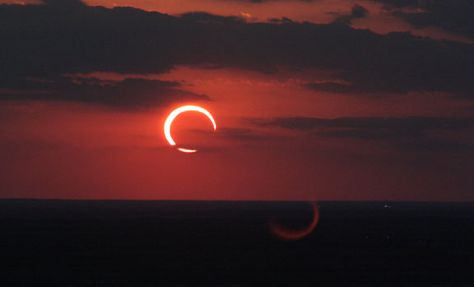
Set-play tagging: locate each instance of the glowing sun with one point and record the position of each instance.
(175, 113)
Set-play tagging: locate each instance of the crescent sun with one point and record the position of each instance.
(175, 113)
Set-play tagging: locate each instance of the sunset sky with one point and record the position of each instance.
(314, 100)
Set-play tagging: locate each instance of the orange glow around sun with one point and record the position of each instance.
(175, 113)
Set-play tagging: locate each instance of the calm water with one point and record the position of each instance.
(171, 243)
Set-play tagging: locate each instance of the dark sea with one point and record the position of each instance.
(222, 243)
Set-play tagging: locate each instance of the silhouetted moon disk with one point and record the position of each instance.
(175, 113)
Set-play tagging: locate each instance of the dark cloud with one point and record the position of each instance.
(453, 15)
(128, 93)
(429, 133)
(406, 124)
(344, 88)
(64, 3)
(357, 12)
(401, 63)
(241, 134)
(47, 41)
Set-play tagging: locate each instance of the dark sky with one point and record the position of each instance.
(325, 100)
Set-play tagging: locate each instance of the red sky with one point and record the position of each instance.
(276, 140)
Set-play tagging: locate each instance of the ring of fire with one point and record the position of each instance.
(175, 113)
